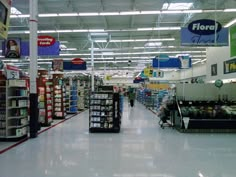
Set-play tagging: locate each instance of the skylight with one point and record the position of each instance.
(15, 11)
(176, 6)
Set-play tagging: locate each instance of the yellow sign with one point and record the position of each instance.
(108, 77)
(148, 72)
(5, 10)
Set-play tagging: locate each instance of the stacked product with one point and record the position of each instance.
(14, 109)
(59, 97)
(45, 104)
(105, 114)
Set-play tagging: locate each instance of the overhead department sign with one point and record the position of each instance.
(204, 32)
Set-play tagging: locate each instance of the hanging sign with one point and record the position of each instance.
(12, 72)
(148, 72)
(45, 41)
(75, 64)
(204, 32)
(57, 65)
(78, 61)
(184, 62)
(5, 10)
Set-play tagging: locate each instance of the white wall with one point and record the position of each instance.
(217, 55)
(195, 71)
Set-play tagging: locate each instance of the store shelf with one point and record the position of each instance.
(17, 97)
(20, 126)
(18, 107)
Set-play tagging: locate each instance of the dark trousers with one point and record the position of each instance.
(131, 103)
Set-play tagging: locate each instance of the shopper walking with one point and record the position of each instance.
(131, 97)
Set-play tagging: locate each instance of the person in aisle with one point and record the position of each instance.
(131, 96)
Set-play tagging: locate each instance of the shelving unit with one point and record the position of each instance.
(81, 98)
(13, 109)
(45, 104)
(104, 112)
(59, 97)
(73, 99)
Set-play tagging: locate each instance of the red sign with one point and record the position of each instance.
(78, 61)
(10, 67)
(45, 41)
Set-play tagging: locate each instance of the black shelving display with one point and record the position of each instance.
(104, 112)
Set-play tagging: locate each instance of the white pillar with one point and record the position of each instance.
(33, 44)
(33, 22)
(92, 65)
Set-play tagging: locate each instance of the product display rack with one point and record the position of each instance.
(72, 108)
(59, 97)
(81, 98)
(14, 109)
(104, 112)
(45, 103)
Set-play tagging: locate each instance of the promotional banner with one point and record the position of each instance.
(57, 65)
(44, 50)
(12, 48)
(230, 66)
(233, 41)
(202, 33)
(5, 10)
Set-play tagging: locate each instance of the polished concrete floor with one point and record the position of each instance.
(141, 149)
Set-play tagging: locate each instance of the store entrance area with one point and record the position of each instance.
(141, 149)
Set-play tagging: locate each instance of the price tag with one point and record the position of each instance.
(12, 72)
(190, 102)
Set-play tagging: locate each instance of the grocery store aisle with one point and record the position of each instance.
(141, 149)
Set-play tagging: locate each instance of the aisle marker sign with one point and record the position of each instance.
(204, 32)
(12, 72)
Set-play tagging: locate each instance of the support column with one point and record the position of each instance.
(92, 64)
(34, 112)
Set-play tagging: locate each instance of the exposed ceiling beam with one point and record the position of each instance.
(105, 19)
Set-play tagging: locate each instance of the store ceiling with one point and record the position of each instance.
(109, 16)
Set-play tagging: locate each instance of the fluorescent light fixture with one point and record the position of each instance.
(47, 31)
(80, 30)
(13, 16)
(150, 12)
(192, 11)
(171, 11)
(153, 44)
(138, 53)
(68, 14)
(107, 53)
(230, 23)
(15, 11)
(130, 13)
(88, 14)
(48, 15)
(176, 6)
(63, 31)
(101, 40)
(212, 11)
(229, 10)
(99, 34)
(159, 28)
(64, 42)
(23, 16)
(69, 49)
(109, 13)
(96, 30)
